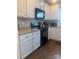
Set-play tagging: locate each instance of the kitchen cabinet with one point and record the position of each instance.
(54, 33)
(30, 8)
(26, 8)
(36, 40)
(26, 44)
(29, 43)
(36, 43)
(21, 8)
(37, 4)
(31, 5)
(18, 49)
(47, 11)
(53, 11)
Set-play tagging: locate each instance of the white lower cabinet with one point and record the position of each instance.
(36, 43)
(26, 44)
(36, 40)
(26, 47)
(54, 33)
(29, 43)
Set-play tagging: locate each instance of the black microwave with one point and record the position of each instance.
(39, 14)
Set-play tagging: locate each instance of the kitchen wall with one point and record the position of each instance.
(58, 16)
(55, 13)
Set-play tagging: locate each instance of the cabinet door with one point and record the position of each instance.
(26, 47)
(37, 3)
(31, 8)
(36, 40)
(36, 43)
(52, 33)
(26, 36)
(35, 34)
(21, 8)
(59, 34)
(40, 4)
(47, 11)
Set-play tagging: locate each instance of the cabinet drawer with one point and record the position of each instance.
(35, 34)
(26, 36)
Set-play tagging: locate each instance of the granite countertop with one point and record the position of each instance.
(23, 31)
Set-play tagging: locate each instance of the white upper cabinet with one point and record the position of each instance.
(37, 4)
(36, 40)
(54, 10)
(47, 11)
(21, 8)
(31, 8)
(26, 8)
(31, 5)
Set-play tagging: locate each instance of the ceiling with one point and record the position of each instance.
(52, 2)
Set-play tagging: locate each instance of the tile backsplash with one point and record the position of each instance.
(23, 22)
(26, 22)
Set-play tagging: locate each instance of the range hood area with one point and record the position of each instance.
(52, 2)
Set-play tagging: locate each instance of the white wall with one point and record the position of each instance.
(58, 16)
(55, 12)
